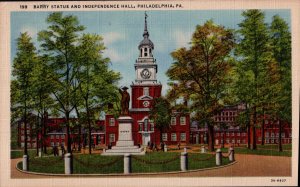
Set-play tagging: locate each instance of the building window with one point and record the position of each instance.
(290, 134)
(283, 135)
(63, 136)
(57, 137)
(232, 134)
(151, 126)
(227, 140)
(238, 141)
(146, 125)
(52, 137)
(22, 138)
(52, 144)
(111, 138)
(272, 134)
(267, 140)
(182, 120)
(146, 91)
(238, 134)
(182, 137)
(173, 137)
(111, 121)
(140, 126)
(272, 140)
(173, 120)
(233, 141)
(227, 133)
(267, 134)
(164, 136)
(277, 134)
(243, 134)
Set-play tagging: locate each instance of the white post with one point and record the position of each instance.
(60, 152)
(184, 149)
(103, 150)
(203, 149)
(40, 152)
(25, 162)
(68, 163)
(127, 164)
(218, 157)
(184, 161)
(166, 148)
(231, 154)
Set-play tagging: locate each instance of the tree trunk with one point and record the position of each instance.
(210, 137)
(279, 137)
(69, 149)
(254, 131)
(263, 129)
(90, 137)
(248, 137)
(44, 146)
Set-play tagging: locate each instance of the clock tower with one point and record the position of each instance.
(145, 88)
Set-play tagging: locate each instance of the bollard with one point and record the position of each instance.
(203, 149)
(184, 161)
(127, 164)
(68, 163)
(184, 149)
(231, 154)
(218, 157)
(25, 162)
(166, 148)
(103, 150)
(40, 153)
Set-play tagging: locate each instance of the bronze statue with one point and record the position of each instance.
(124, 101)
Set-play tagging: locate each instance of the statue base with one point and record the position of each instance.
(125, 144)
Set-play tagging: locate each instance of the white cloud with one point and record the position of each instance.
(113, 55)
(182, 38)
(32, 32)
(112, 37)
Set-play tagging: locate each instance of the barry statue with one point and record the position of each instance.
(124, 101)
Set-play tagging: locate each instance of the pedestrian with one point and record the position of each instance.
(162, 146)
(178, 145)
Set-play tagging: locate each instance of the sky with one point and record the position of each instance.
(122, 32)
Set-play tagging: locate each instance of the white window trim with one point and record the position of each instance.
(173, 120)
(173, 135)
(182, 120)
(181, 139)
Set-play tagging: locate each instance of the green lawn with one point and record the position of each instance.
(31, 153)
(95, 163)
(270, 150)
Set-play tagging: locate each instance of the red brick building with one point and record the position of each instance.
(227, 131)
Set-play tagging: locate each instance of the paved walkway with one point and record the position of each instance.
(247, 165)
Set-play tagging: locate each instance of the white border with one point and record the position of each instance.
(6, 181)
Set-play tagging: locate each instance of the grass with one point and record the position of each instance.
(31, 153)
(269, 150)
(95, 163)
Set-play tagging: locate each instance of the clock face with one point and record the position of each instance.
(146, 103)
(145, 74)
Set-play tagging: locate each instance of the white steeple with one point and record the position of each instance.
(145, 66)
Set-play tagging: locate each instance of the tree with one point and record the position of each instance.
(58, 43)
(281, 42)
(201, 72)
(95, 81)
(255, 55)
(160, 113)
(43, 102)
(21, 85)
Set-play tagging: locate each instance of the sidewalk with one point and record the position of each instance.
(247, 165)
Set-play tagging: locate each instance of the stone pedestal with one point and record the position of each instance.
(125, 144)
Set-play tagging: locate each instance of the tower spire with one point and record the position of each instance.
(146, 34)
